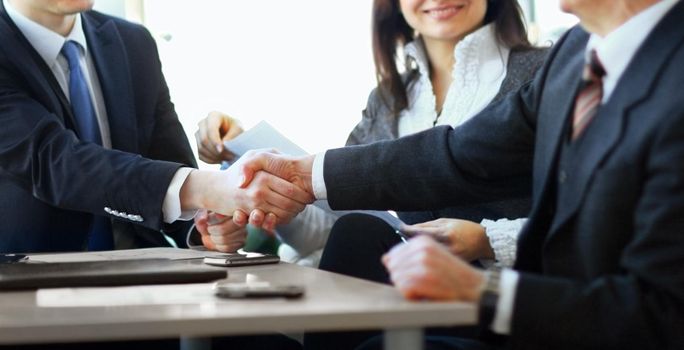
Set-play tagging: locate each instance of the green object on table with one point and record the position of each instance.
(261, 242)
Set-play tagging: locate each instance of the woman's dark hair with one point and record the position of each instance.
(390, 31)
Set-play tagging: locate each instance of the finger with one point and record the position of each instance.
(270, 222)
(207, 156)
(207, 242)
(256, 218)
(214, 219)
(289, 190)
(215, 123)
(240, 218)
(253, 161)
(203, 139)
(230, 128)
(228, 155)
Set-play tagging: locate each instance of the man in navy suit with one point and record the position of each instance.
(92, 155)
(599, 136)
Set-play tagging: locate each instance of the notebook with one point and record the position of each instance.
(105, 273)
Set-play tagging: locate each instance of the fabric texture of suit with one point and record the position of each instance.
(601, 259)
(52, 183)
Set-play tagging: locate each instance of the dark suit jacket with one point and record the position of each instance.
(605, 270)
(52, 183)
(380, 123)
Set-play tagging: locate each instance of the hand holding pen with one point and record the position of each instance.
(464, 238)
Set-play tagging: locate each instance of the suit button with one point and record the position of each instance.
(562, 176)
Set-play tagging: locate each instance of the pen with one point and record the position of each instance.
(402, 235)
(406, 236)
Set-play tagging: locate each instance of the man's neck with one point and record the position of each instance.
(58, 23)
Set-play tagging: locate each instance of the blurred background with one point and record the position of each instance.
(305, 66)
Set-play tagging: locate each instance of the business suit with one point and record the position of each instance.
(601, 260)
(52, 183)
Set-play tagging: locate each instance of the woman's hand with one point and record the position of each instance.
(212, 131)
(464, 238)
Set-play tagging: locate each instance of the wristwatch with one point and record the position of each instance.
(489, 297)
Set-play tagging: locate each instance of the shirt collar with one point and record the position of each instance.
(415, 50)
(47, 43)
(616, 50)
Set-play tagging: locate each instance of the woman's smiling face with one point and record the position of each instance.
(448, 20)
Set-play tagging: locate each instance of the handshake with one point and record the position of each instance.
(262, 188)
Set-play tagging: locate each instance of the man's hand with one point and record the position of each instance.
(296, 170)
(223, 192)
(212, 131)
(423, 268)
(218, 232)
(465, 238)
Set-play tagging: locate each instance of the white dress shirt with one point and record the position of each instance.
(615, 51)
(49, 44)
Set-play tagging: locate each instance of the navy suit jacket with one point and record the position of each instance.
(51, 183)
(604, 269)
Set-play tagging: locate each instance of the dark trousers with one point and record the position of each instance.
(355, 248)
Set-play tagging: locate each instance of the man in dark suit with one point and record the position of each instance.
(600, 133)
(92, 154)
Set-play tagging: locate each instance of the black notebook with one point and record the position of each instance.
(104, 273)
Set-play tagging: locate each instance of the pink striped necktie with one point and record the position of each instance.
(589, 97)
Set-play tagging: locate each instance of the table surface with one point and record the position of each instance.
(331, 302)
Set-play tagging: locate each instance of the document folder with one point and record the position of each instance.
(104, 273)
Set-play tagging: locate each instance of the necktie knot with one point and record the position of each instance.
(593, 69)
(70, 50)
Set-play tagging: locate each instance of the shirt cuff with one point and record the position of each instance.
(503, 236)
(317, 180)
(171, 208)
(508, 285)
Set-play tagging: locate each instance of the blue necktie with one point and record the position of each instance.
(100, 237)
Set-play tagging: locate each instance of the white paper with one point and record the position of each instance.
(263, 135)
(170, 294)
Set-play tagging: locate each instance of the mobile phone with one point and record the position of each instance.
(259, 290)
(240, 259)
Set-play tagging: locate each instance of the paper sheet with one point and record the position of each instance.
(263, 135)
(130, 295)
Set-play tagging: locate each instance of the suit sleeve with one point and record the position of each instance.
(487, 158)
(39, 154)
(169, 141)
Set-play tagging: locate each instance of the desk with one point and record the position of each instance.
(332, 302)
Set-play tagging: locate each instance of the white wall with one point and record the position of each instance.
(304, 66)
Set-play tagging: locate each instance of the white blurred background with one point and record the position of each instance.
(305, 66)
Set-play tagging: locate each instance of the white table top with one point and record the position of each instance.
(331, 302)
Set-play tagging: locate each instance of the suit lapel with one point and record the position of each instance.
(111, 62)
(605, 131)
(38, 74)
